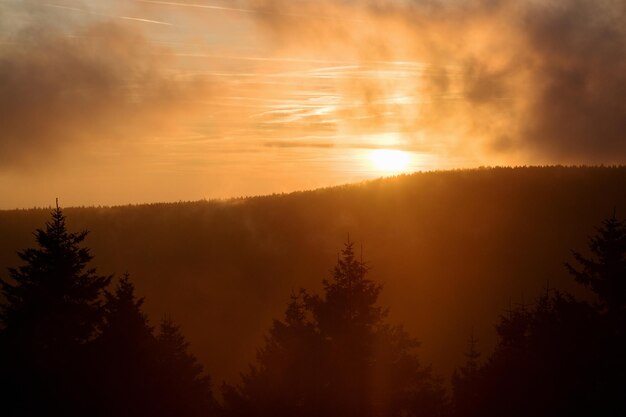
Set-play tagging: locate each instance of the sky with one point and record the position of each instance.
(136, 101)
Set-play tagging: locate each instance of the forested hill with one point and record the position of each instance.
(454, 250)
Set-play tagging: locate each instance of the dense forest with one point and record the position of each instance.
(74, 343)
(453, 249)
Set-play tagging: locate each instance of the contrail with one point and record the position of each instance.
(255, 58)
(242, 10)
(200, 6)
(355, 64)
(136, 19)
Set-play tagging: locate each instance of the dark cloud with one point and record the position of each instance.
(578, 107)
(102, 81)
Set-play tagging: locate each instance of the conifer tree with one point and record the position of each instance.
(563, 356)
(288, 376)
(128, 350)
(53, 300)
(348, 317)
(550, 360)
(184, 389)
(124, 321)
(465, 381)
(372, 366)
(334, 355)
(144, 374)
(605, 272)
(469, 369)
(52, 308)
(472, 355)
(348, 308)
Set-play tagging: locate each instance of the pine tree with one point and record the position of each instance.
(605, 272)
(372, 366)
(348, 309)
(52, 308)
(184, 389)
(348, 317)
(144, 374)
(287, 379)
(472, 355)
(127, 350)
(550, 360)
(335, 355)
(124, 321)
(53, 300)
(465, 386)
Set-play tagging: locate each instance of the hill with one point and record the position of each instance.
(454, 250)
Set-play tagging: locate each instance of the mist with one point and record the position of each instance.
(280, 96)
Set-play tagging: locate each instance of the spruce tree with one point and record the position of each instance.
(287, 379)
(53, 300)
(334, 355)
(472, 355)
(605, 271)
(128, 351)
(348, 317)
(51, 310)
(144, 374)
(465, 386)
(123, 320)
(562, 356)
(184, 388)
(372, 366)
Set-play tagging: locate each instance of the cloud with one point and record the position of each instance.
(528, 81)
(578, 106)
(101, 81)
(488, 81)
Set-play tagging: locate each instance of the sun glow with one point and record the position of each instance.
(389, 160)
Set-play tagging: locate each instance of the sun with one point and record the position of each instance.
(390, 161)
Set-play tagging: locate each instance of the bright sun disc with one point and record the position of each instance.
(390, 161)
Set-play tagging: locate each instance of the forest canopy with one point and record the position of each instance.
(71, 344)
(461, 246)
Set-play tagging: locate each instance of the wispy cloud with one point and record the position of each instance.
(76, 9)
(199, 6)
(521, 81)
(255, 9)
(274, 84)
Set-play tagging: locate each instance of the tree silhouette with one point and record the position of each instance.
(605, 272)
(288, 378)
(562, 356)
(143, 374)
(52, 308)
(184, 389)
(54, 297)
(547, 361)
(66, 350)
(128, 350)
(334, 355)
(465, 386)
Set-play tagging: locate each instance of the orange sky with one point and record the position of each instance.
(114, 102)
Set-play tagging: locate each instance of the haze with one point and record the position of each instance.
(141, 101)
(373, 208)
